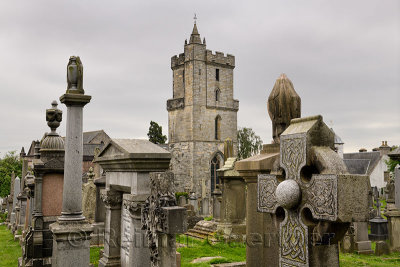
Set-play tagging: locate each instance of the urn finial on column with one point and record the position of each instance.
(75, 76)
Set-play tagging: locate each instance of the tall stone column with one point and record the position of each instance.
(71, 232)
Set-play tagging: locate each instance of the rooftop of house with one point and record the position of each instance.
(361, 162)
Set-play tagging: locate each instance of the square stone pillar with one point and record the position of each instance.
(261, 231)
(139, 253)
(112, 235)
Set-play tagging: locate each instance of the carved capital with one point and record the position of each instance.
(111, 198)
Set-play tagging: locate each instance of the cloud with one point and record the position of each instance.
(342, 57)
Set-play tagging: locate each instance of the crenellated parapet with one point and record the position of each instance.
(220, 58)
(177, 60)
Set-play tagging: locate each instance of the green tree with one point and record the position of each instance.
(155, 134)
(392, 163)
(249, 143)
(9, 163)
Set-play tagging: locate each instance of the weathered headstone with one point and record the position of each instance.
(72, 224)
(381, 248)
(17, 188)
(317, 200)
(393, 215)
(10, 206)
(347, 244)
(233, 205)
(162, 219)
(22, 197)
(89, 197)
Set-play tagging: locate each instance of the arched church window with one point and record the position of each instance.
(218, 128)
(215, 165)
(217, 94)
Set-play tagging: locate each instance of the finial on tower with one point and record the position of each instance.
(195, 36)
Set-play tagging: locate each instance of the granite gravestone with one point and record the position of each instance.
(315, 200)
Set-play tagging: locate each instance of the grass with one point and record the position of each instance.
(194, 248)
(94, 255)
(10, 250)
(353, 260)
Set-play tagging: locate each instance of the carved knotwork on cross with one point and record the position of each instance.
(307, 198)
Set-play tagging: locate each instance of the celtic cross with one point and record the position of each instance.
(305, 197)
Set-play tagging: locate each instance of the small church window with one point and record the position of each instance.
(183, 77)
(217, 74)
(217, 94)
(215, 165)
(217, 127)
(199, 71)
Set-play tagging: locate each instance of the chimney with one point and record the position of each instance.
(384, 149)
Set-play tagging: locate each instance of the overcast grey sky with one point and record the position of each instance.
(343, 58)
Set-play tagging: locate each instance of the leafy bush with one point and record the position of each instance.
(178, 194)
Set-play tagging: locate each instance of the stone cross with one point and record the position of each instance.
(162, 218)
(312, 193)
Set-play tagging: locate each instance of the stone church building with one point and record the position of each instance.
(202, 114)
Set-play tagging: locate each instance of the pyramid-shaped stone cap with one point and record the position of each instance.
(133, 154)
(317, 132)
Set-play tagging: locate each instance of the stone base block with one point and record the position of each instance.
(97, 237)
(393, 218)
(232, 231)
(382, 248)
(109, 261)
(364, 247)
(324, 255)
(71, 245)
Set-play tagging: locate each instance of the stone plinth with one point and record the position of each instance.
(393, 218)
(233, 203)
(362, 243)
(71, 243)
